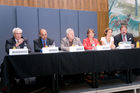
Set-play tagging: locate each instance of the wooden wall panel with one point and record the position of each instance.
(102, 23)
(100, 6)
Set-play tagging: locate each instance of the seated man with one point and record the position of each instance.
(17, 41)
(124, 36)
(42, 41)
(66, 42)
(70, 40)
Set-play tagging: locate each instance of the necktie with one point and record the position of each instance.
(44, 43)
(124, 38)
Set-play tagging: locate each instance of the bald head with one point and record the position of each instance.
(43, 34)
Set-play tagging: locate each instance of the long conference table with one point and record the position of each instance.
(68, 63)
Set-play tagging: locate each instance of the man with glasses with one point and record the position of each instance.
(124, 36)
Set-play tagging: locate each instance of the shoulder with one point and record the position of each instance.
(37, 40)
(10, 40)
(118, 35)
(112, 38)
(86, 39)
(77, 38)
(25, 39)
(64, 39)
(50, 39)
(129, 34)
(102, 38)
(95, 40)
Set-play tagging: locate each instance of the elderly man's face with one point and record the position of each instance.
(71, 35)
(123, 30)
(43, 34)
(17, 35)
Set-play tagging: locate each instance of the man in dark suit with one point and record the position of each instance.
(42, 41)
(17, 41)
(124, 36)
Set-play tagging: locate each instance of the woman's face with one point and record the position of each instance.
(90, 34)
(109, 33)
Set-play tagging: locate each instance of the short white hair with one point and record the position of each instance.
(17, 29)
(69, 30)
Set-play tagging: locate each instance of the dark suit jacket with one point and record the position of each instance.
(38, 44)
(118, 38)
(10, 43)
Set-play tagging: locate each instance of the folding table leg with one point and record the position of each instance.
(95, 80)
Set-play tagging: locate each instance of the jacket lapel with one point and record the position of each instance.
(40, 43)
(14, 41)
(120, 36)
(67, 42)
(48, 42)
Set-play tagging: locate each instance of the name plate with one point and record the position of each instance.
(103, 47)
(18, 51)
(76, 48)
(125, 45)
(50, 50)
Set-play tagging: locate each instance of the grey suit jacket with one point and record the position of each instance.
(38, 44)
(11, 42)
(65, 43)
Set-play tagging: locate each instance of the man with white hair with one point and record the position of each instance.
(70, 40)
(17, 41)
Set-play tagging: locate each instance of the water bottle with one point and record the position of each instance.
(25, 45)
(53, 44)
(14, 47)
(137, 44)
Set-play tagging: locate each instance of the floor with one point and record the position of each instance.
(73, 87)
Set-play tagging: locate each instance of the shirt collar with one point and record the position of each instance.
(43, 40)
(16, 40)
(125, 36)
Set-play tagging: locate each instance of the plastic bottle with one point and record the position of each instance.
(137, 44)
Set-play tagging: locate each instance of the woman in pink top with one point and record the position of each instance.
(90, 42)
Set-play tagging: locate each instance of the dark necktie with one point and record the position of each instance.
(44, 43)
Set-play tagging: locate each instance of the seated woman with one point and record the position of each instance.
(90, 42)
(108, 39)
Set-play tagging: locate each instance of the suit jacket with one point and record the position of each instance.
(38, 44)
(118, 38)
(65, 43)
(87, 45)
(10, 43)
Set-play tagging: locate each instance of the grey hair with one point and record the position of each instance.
(15, 29)
(68, 30)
